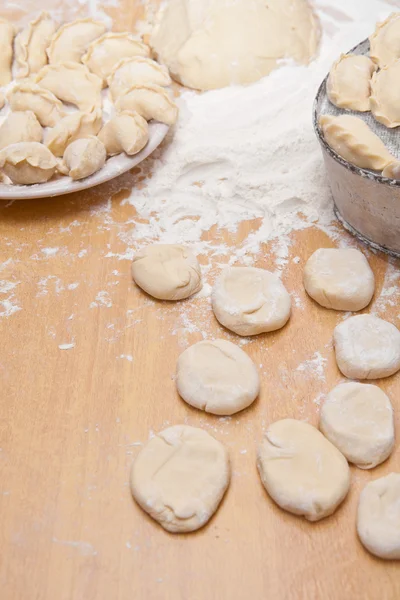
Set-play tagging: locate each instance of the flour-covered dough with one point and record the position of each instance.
(385, 95)
(83, 157)
(214, 43)
(27, 95)
(167, 271)
(136, 70)
(378, 517)
(354, 140)
(151, 101)
(385, 41)
(125, 132)
(339, 278)
(71, 41)
(27, 163)
(31, 44)
(180, 477)
(20, 127)
(358, 419)
(218, 377)
(249, 301)
(73, 127)
(7, 33)
(301, 470)
(367, 347)
(349, 82)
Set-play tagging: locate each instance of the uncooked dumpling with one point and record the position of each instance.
(385, 41)
(367, 347)
(31, 44)
(353, 140)
(103, 54)
(7, 33)
(150, 101)
(30, 96)
(72, 127)
(392, 170)
(72, 40)
(349, 82)
(136, 71)
(215, 43)
(84, 157)
(180, 477)
(20, 127)
(126, 132)
(339, 278)
(301, 470)
(385, 95)
(72, 83)
(358, 419)
(27, 163)
(218, 377)
(249, 301)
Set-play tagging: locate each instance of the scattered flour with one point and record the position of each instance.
(314, 366)
(66, 346)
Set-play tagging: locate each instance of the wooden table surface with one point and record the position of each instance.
(87, 364)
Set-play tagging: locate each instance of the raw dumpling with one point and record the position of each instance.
(354, 141)
(349, 82)
(72, 40)
(84, 157)
(392, 170)
(103, 54)
(150, 101)
(29, 96)
(73, 127)
(31, 44)
(385, 95)
(136, 71)
(20, 127)
(127, 132)
(27, 163)
(7, 33)
(72, 83)
(385, 41)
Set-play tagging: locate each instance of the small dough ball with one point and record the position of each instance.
(367, 347)
(301, 470)
(180, 477)
(85, 157)
(249, 301)
(378, 517)
(385, 95)
(167, 271)
(358, 419)
(339, 278)
(20, 127)
(126, 132)
(349, 82)
(26, 163)
(218, 377)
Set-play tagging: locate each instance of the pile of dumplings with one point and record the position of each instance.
(55, 80)
(366, 84)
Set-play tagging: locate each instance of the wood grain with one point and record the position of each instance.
(71, 420)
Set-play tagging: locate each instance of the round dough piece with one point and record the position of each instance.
(349, 82)
(249, 301)
(180, 477)
(339, 278)
(385, 95)
(367, 347)
(301, 470)
(187, 38)
(385, 41)
(167, 271)
(378, 516)
(358, 419)
(217, 377)
(84, 157)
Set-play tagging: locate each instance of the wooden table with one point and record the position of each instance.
(87, 364)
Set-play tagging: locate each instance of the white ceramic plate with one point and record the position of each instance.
(115, 166)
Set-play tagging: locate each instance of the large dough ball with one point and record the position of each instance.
(250, 301)
(358, 419)
(167, 271)
(367, 347)
(214, 43)
(301, 470)
(339, 278)
(218, 377)
(378, 516)
(180, 477)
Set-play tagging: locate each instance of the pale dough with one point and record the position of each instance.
(392, 170)
(385, 95)
(71, 41)
(378, 516)
(250, 301)
(136, 70)
(125, 132)
(151, 101)
(218, 377)
(167, 271)
(27, 95)
(339, 278)
(31, 44)
(214, 43)
(73, 127)
(26, 163)
(301, 470)
(358, 419)
(385, 41)
(349, 82)
(180, 477)
(367, 347)
(83, 157)
(7, 33)
(20, 127)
